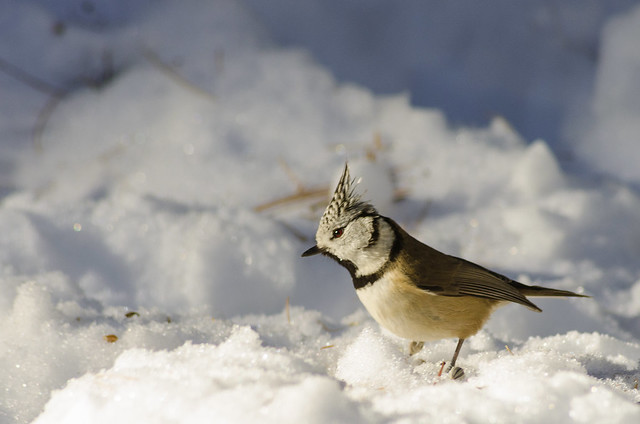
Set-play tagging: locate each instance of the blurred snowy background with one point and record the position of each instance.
(163, 164)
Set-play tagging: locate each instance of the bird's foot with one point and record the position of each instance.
(456, 373)
(415, 347)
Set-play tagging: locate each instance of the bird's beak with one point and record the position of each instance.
(312, 251)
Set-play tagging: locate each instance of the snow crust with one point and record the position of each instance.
(153, 216)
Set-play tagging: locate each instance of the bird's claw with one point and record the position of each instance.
(456, 373)
(415, 347)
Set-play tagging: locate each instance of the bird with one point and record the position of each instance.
(411, 289)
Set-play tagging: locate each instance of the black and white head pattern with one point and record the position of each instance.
(345, 204)
(352, 232)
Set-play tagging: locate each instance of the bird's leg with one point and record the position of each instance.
(415, 347)
(457, 371)
(455, 355)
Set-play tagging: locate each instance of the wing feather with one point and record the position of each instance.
(444, 275)
(469, 279)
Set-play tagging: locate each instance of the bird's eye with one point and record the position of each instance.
(337, 233)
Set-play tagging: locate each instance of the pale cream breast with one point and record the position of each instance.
(412, 313)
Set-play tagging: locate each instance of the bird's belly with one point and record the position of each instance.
(412, 313)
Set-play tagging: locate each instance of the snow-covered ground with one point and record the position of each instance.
(163, 165)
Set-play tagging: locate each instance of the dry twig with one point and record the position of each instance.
(28, 79)
(296, 197)
(287, 307)
(43, 118)
(168, 70)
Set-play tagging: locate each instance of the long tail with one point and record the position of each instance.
(538, 291)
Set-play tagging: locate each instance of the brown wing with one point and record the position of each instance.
(470, 279)
(446, 275)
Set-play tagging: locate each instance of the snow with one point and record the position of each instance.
(615, 104)
(154, 214)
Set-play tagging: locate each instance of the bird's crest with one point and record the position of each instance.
(345, 204)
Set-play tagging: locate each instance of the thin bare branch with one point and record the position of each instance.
(287, 307)
(168, 70)
(296, 197)
(43, 119)
(292, 176)
(28, 79)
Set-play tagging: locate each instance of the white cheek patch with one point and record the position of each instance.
(356, 246)
(371, 259)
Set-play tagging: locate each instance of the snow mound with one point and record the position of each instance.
(164, 165)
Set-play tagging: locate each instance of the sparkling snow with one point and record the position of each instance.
(163, 165)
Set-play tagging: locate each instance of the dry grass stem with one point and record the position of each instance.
(287, 309)
(168, 70)
(43, 118)
(292, 176)
(28, 79)
(292, 198)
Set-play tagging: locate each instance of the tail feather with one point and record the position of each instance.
(538, 291)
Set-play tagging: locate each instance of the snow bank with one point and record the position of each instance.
(150, 265)
(237, 380)
(609, 139)
(532, 62)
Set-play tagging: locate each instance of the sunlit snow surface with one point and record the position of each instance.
(152, 221)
